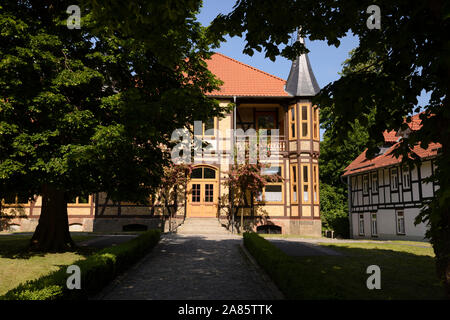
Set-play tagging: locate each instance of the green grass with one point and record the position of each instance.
(17, 265)
(407, 272)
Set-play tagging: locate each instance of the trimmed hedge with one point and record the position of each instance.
(96, 272)
(284, 270)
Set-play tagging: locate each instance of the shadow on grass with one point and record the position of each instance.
(404, 275)
(18, 247)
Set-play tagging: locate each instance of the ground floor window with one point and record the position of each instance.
(400, 222)
(373, 225)
(361, 224)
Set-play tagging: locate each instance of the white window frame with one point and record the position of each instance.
(374, 175)
(365, 184)
(361, 226)
(399, 214)
(373, 224)
(406, 174)
(394, 177)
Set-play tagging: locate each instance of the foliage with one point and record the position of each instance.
(334, 210)
(87, 110)
(411, 55)
(96, 272)
(344, 276)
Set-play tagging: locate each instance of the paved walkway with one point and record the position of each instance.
(189, 267)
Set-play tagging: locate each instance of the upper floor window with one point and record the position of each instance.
(304, 122)
(406, 179)
(365, 184)
(292, 122)
(209, 126)
(394, 179)
(375, 182)
(316, 129)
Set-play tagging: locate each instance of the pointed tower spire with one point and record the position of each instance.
(301, 81)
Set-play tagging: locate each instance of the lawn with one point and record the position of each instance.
(17, 265)
(407, 271)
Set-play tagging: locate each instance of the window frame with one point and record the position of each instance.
(292, 133)
(315, 184)
(365, 184)
(77, 204)
(361, 219)
(303, 121)
(399, 213)
(406, 173)
(316, 123)
(372, 175)
(391, 175)
(263, 192)
(293, 182)
(307, 183)
(372, 220)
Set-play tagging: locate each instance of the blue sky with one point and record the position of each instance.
(326, 61)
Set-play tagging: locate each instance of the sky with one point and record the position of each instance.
(326, 61)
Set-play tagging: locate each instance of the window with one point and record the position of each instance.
(316, 129)
(361, 224)
(400, 222)
(272, 192)
(305, 184)
(406, 179)
(203, 173)
(373, 224)
(208, 127)
(294, 183)
(374, 182)
(196, 192)
(365, 184)
(315, 183)
(394, 179)
(304, 122)
(354, 183)
(292, 122)
(82, 199)
(209, 192)
(12, 199)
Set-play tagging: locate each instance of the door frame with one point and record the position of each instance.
(191, 207)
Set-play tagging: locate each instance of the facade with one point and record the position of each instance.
(385, 197)
(262, 101)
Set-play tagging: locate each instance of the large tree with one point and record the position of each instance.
(412, 50)
(86, 110)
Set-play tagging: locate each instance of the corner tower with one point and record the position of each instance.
(303, 148)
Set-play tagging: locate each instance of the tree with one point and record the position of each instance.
(173, 183)
(87, 110)
(410, 50)
(244, 183)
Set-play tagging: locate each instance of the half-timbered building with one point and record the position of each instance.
(385, 197)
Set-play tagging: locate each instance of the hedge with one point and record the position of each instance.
(96, 272)
(284, 270)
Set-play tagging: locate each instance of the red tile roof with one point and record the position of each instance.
(243, 80)
(361, 163)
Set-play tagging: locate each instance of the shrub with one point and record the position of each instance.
(96, 272)
(283, 270)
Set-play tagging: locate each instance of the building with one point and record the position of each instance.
(385, 197)
(263, 101)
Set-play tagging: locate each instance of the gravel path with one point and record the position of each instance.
(208, 267)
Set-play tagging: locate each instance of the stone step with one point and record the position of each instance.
(201, 226)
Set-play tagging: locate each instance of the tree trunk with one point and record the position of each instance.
(52, 232)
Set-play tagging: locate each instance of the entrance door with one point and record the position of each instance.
(203, 193)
